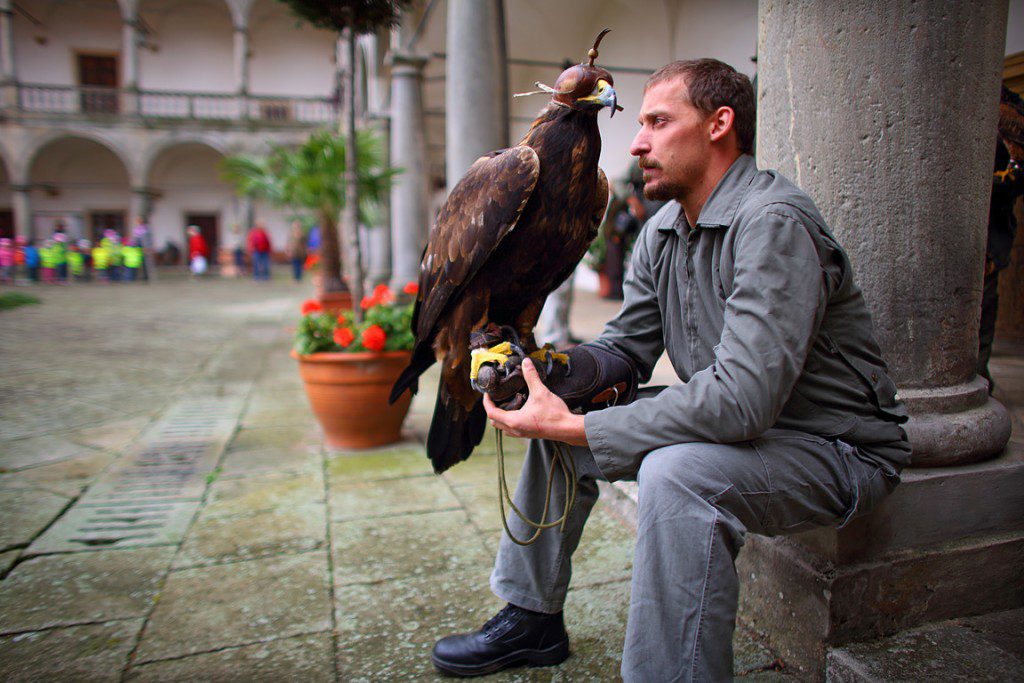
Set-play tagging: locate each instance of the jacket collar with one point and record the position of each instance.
(720, 209)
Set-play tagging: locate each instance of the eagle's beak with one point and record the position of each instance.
(605, 96)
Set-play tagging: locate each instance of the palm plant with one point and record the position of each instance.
(350, 18)
(313, 178)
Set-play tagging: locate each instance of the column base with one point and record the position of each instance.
(947, 543)
(955, 425)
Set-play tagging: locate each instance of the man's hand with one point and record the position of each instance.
(544, 416)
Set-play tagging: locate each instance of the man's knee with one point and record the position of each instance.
(691, 467)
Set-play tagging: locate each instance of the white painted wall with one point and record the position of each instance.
(1015, 28)
(86, 177)
(45, 52)
(194, 46)
(288, 59)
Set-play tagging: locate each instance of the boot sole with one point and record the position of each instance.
(552, 656)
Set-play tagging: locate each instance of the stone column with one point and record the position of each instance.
(241, 45)
(410, 201)
(141, 204)
(245, 215)
(904, 183)
(885, 113)
(476, 83)
(8, 95)
(22, 205)
(130, 61)
(378, 236)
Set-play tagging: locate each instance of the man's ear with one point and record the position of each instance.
(721, 123)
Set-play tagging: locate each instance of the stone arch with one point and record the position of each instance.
(80, 179)
(183, 186)
(155, 150)
(38, 144)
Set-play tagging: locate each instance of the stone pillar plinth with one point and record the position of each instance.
(885, 113)
(476, 84)
(22, 205)
(886, 116)
(410, 201)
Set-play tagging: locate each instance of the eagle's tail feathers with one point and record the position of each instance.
(422, 358)
(454, 433)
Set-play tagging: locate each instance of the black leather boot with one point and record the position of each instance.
(512, 637)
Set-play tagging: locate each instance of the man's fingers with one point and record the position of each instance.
(531, 376)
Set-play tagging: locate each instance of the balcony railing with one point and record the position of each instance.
(75, 101)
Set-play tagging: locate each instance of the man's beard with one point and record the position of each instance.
(661, 192)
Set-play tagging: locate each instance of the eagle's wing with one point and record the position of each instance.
(481, 210)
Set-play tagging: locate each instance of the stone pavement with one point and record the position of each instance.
(169, 512)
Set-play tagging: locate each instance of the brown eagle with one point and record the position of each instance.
(512, 230)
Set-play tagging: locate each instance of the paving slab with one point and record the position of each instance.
(373, 550)
(390, 497)
(386, 630)
(390, 463)
(7, 560)
(241, 603)
(113, 436)
(272, 449)
(1005, 630)
(93, 652)
(26, 513)
(18, 454)
(308, 658)
(67, 477)
(233, 496)
(265, 533)
(71, 589)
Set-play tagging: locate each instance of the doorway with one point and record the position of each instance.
(101, 221)
(7, 223)
(207, 224)
(97, 74)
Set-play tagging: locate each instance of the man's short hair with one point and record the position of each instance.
(712, 84)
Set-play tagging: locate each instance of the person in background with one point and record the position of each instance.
(115, 258)
(85, 247)
(33, 260)
(142, 238)
(236, 243)
(20, 272)
(101, 260)
(75, 262)
(259, 250)
(48, 261)
(6, 261)
(297, 249)
(134, 260)
(60, 254)
(197, 251)
(1007, 188)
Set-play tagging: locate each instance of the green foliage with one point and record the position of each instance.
(362, 16)
(386, 326)
(597, 252)
(311, 177)
(9, 300)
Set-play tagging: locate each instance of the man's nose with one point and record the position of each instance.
(640, 144)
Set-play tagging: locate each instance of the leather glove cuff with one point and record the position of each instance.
(597, 378)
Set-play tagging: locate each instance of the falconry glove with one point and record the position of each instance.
(587, 377)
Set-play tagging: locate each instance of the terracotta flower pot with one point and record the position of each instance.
(349, 396)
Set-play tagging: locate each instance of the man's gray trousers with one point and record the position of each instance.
(697, 501)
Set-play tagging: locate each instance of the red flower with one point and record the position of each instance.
(411, 288)
(382, 294)
(368, 302)
(343, 336)
(374, 338)
(311, 306)
(311, 261)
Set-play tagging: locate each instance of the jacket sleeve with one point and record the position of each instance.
(771, 317)
(636, 331)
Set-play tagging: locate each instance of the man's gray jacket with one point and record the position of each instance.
(758, 310)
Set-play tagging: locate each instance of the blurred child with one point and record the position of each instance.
(76, 263)
(48, 261)
(33, 260)
(60, 255)
(85, 246)
(6, 261)
(197, 251)
(20, 274)
(116, 258)
(132, 256)
(101, 260)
